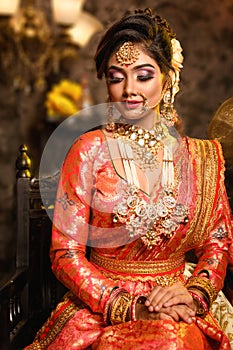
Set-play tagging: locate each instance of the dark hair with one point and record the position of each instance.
(142, 27)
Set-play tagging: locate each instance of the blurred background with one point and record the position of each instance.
(47, 73)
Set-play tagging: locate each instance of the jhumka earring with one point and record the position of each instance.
(110, 125)
(168, 113)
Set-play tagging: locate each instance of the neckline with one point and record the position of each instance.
(150, 196)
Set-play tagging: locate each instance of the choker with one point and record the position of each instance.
(145, 143)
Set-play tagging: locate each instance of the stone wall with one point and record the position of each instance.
(205, 30)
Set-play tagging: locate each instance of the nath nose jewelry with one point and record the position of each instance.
(145, 101)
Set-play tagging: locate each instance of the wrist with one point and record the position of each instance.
(201, 304)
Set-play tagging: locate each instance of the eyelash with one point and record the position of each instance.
(145, 77)
(113, 80)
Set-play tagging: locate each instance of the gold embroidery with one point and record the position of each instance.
(58, 324)
(140, 270)
(206, 166)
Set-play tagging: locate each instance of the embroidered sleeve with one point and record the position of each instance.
(70, 226)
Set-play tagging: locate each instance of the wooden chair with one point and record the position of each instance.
(27, 299)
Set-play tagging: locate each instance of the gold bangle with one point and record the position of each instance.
(204, 285)
(120, 308)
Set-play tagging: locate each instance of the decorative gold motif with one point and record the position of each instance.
(205, 154)
(162, 272)
(127, 54)
(204, 285)
(145, 143)
(153, 222)
(120, 308)
(59, 322)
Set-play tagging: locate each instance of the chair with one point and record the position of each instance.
(27, 299)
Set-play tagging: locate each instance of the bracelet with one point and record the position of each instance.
(113, 293)
(202, 307)
(205, 286)
(120, 308)
(139, 299)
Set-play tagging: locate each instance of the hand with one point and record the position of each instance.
(175, 313)
(163, 297)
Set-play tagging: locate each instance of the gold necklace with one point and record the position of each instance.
(145, 143)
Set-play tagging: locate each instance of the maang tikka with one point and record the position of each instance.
(127, 54)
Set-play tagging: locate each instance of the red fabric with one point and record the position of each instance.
(87, 194)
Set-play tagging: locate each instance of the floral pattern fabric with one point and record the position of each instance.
(88, 191)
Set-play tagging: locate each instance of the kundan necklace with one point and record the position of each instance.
(153, 222)
(145, 143)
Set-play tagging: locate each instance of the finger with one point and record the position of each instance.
(184, 313)
(154, 293)
(168, 298)
(184, 298)
(163, 316)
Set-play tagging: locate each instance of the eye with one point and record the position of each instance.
(145, 77)
(115, 77)
(145, 74)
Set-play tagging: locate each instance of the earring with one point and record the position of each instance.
(110, 125)
(168, 113)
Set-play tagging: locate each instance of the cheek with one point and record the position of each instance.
(155, 90)
(114, 92)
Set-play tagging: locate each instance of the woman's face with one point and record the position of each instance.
(127, 84)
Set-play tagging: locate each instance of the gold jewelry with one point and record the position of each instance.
(168, 113)
(127, 54)
(110, 125)
(145, 143)
(205, 286)
(120, 308)
(154, 223)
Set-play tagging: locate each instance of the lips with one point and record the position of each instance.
(132, 104)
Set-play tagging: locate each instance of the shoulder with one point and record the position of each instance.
(87, 144)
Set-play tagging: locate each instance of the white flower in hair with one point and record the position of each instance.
(177, 60)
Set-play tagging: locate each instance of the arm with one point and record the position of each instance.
(71, 229)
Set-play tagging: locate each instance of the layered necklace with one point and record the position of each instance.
(145, 143)
(153, 222)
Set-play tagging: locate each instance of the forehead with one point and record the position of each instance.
(143, 58)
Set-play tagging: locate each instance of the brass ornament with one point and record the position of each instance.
(127, 54)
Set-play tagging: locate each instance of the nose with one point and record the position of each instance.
(129, 87)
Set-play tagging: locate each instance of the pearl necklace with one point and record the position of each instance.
(156, 222)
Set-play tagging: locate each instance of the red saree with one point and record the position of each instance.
(87, 193)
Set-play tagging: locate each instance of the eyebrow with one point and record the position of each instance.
(135, 68)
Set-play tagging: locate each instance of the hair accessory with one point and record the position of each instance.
(127, 54)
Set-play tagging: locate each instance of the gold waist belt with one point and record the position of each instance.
(163, 272)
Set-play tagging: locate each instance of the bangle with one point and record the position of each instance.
(202, 307)
(120, 308)
(205, 286)
(114, 291)
(139, 299)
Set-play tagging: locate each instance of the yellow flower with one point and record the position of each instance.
(64, 99)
